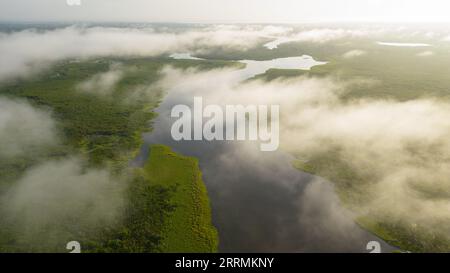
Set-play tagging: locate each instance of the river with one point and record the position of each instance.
(260, 203)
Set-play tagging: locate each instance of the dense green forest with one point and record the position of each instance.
(162, 206)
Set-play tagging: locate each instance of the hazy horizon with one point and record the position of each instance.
(230, 11)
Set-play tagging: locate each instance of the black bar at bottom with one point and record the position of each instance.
(226, 262)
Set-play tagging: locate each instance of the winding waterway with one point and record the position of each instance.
(260, 203)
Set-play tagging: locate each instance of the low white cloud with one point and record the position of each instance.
(103, 83)
(53, 198)
(319, 35)
(26, 51)
(354, 53)
(61, 198)
(24, 128)
(398, 149)
(425, 53)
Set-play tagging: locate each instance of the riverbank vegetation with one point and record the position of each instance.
(101, 107)
(392, 76)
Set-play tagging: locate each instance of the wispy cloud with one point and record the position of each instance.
(354, 53)
(24, 128)
(29, 50)
(398, 149)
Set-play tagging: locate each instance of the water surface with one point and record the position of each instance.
(253, 68)
(260, 203)
(403, 44)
